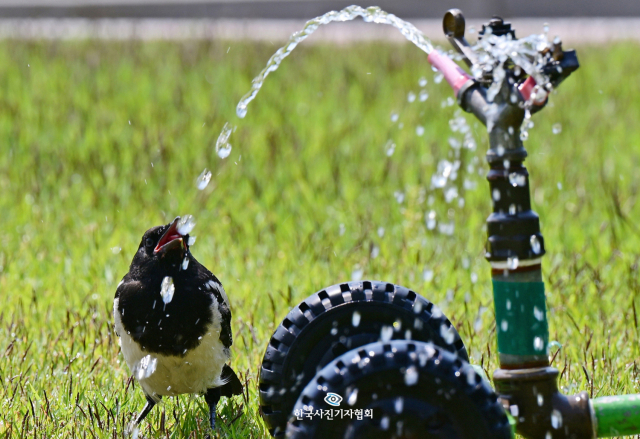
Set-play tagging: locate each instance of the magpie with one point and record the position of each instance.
(173, 319)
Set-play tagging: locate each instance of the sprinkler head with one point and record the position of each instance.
(498, 27)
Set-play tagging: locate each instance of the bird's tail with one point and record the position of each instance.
(232, 385)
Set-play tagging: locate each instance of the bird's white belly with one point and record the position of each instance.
(195, 372)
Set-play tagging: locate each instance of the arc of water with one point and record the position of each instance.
(371, 14)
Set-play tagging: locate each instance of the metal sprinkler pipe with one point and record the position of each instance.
(527, 385)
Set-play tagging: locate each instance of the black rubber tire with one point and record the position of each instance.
(321, 328)
(441, 397)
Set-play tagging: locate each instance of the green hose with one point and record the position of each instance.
(617, 415)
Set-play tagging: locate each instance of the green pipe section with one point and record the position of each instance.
(617, 415)
(521, 318)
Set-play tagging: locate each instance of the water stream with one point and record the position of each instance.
(372, 14)
(494, 53)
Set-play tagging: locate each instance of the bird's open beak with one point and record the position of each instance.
(171, 239)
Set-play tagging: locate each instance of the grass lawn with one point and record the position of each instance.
(101, 141)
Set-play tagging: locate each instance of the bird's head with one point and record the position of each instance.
(166, 245)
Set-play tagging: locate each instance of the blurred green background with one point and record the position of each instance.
(102, 140)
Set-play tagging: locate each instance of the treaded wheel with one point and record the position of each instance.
(410, 390)
(333, 321)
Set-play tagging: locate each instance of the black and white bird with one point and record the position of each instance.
(173, 319)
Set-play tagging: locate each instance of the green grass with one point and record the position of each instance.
(101, 141)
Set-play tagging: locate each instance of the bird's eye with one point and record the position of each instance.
(149, 242)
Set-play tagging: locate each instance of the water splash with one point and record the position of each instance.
(145, 367)
(167, 289)
(355, 319)
(371, 14)
(186, 224)
(411, 376)
(203, 179)
(223, 147)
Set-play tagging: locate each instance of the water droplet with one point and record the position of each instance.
(375, 252)
(411, 97)
(540, 398)
(191, 241)
(389, 148)
(504, 325)
(508, 304)
(422, 82)
(384, 423)
(356, 274)
(399, 404)
(417, 307)
(538, 343)
(223, 147)
(474, 278)
(380, 232)
(427, 275)
(447, 333)
(559, 186)
(446, 229)
(471, 376)
(411, 376)
(145, 367)
(342, 229)
(355, 319)
(538, 313)
(419, 131)
(394, 117)
(512, 209)
(399, 196)
(185, 225)
(496, 195)
(352, 397)
(423, 96)
(185, 263)
(167, 289)
(556, 128)
(514, 410)
(512, 262)
(431, 220)
(450, 194)
(438, 78)
(556, 419)
(116, 250)
(535, 244)
(386, 332)
(517, 179)
(203, 179)
(524, 135)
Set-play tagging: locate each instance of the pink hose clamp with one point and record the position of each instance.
(526, 88)
(453, 73)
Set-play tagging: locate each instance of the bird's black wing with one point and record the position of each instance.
(214, 286)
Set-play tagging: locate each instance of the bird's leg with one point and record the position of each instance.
(145, 411)
(212, 397)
